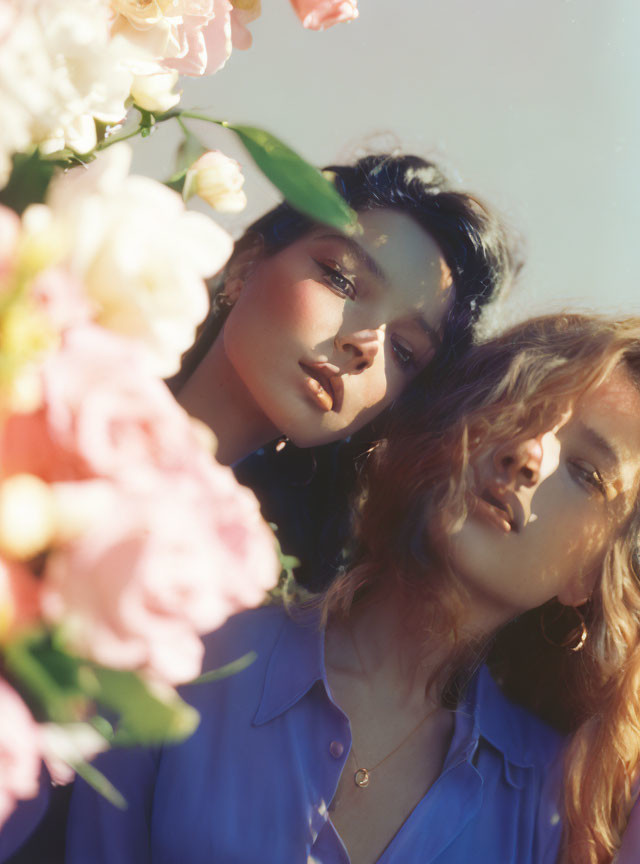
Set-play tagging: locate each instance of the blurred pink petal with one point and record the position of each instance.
(135, 590)
(240, 34)
(206, 40)
(320, 14)
(19, 751)
(62, 297)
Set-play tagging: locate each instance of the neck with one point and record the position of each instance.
(216, 395)
(376, 643)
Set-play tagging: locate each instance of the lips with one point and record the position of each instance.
(324, 385)
(501, 510)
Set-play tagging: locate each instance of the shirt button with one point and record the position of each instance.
(336, 748)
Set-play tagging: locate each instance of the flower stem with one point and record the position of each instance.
(114, 139)
(194, 115)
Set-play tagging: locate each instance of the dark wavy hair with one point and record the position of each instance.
(307, 492)
(483, 256)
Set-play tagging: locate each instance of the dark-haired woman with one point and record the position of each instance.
(314, 333)
(500, 524)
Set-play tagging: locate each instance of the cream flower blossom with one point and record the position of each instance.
(192, 36)
(218, 180)
(27, 521)
(155, 92)
(141, 256)
(60, 70)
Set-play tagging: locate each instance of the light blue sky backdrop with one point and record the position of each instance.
(533, 104)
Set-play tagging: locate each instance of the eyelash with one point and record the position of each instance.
(337, 280)
(403, 354)
(590, 476)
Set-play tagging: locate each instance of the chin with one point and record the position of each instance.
(304, 439)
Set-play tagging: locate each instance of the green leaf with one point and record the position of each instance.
(29, 181)
(145, 717)
(99, 782)
(225, 671)
(49, 676)
(288, 563)
(302, 185)
(176, 181)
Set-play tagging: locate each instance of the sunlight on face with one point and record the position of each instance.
(328, 331)
(549, 506)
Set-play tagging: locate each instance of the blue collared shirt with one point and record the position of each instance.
(254, 783)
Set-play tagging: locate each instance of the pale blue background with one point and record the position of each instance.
(535, 103)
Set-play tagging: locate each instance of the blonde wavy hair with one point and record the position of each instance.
(417, 483)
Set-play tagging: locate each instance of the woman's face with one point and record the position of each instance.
(546, 508)
(327, 332)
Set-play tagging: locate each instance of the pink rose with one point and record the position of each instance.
(104, 414)
(136, 589)
(62, 298)
(320, 14)
(193, 37)
(19, 751)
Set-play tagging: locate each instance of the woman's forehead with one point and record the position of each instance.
(396, 253)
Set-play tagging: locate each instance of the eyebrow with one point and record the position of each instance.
(604, 447)
(373, 266)
(363, 257)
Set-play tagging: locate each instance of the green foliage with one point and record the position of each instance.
(63, 687)
(146, 716)
(303, 186)
(229, 669)
(100, 783)
(29, 180)
(48, 675)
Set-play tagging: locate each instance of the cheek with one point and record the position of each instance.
(301, 306)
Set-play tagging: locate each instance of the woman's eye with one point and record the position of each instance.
(590, 477)
(403, 353)
(337, 280)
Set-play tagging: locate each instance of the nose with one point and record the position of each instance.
(519, 462)
(361, 349)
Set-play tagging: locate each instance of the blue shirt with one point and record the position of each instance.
(254, 783)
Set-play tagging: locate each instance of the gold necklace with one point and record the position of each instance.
(362, 776)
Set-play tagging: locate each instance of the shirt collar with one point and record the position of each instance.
(521, 737)
(296, 663)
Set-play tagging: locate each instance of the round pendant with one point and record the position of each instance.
(361, 778)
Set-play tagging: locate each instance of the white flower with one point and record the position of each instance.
(218, 180)
(59, 70)
(142, 257)
(154, 92)
(26, 516)
(192, 36)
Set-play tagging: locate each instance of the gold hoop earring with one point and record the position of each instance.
(577, 636)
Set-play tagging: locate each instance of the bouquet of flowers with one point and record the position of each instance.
(121, 538)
